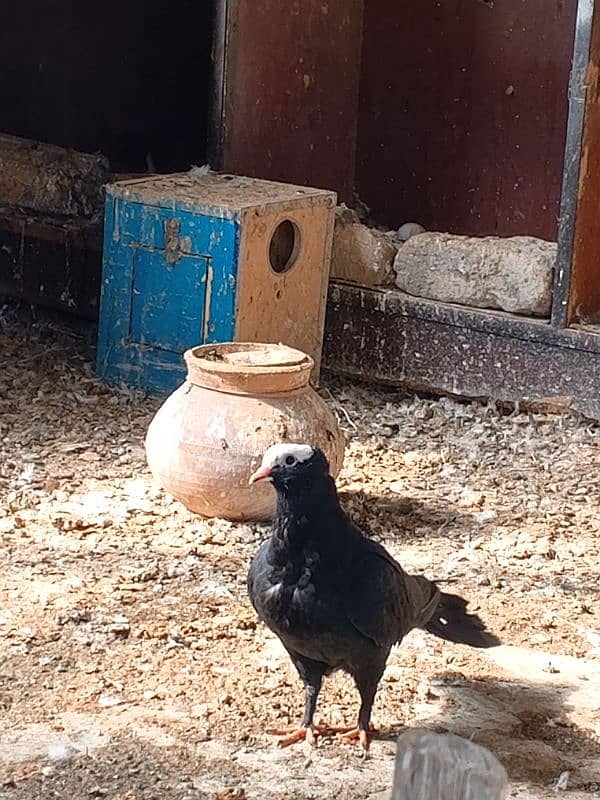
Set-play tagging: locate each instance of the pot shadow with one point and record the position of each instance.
(405, 518)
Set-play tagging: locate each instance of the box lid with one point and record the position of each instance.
(217, 194)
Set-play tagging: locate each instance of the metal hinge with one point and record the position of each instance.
(172, 253)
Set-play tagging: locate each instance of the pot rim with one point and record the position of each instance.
(214, 366)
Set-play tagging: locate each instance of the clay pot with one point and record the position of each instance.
(238, 399)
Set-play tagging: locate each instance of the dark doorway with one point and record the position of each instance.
(129, 79)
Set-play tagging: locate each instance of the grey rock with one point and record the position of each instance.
(361, 254)
(432, 766)
(346, 215)
(511, 274)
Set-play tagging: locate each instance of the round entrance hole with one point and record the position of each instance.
(284, 246)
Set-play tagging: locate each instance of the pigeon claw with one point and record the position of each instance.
(308, 735)
(357, 735)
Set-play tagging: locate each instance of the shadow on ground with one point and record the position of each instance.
(401, 517)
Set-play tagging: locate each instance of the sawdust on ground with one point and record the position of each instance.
(132, 666)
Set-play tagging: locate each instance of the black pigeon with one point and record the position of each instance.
(335, 598)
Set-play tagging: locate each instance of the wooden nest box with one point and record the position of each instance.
(201, 257)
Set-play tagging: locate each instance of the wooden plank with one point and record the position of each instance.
(217, 83)
(391, 338)
(51, 180)
(498, 323)
(463, 113)
(290, 83)
(584, 291)
(52, 262)
(570, 184)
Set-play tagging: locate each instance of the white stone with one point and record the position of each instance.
(110, 701)
(512, 274)
(408, 230)
(60, 751)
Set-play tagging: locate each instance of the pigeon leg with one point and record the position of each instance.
(313, 687)
(367, 688)
(312, 675)
(367, 695)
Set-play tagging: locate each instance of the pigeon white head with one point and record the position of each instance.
(284, 455)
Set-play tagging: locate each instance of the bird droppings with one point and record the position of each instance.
(87, 542)
(110, 701)
(60, 752)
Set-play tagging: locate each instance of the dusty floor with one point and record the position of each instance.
(131, 665)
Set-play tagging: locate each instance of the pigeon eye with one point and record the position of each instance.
(289, 460)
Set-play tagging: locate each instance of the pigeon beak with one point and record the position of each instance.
(261, 474)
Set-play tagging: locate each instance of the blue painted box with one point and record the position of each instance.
(202, 257)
